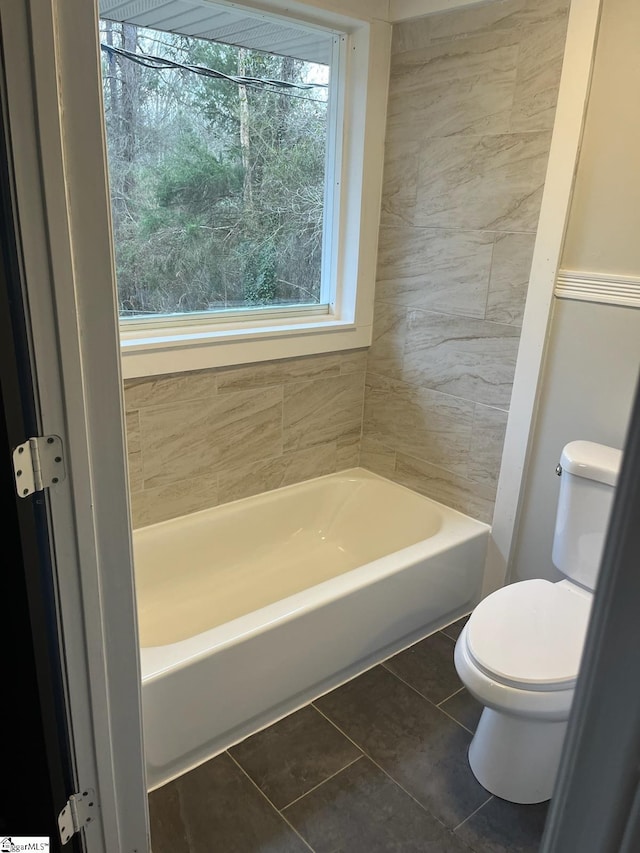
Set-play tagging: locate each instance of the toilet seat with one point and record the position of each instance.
(530, 635)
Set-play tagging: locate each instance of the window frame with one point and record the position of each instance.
(350, 236)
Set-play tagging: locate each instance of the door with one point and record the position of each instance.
(36, 782)
(71, 355)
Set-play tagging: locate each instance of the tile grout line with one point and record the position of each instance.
(362, 409)
(448, 471)
(262, 794)
(433, 705)
(448, 636)
(382, 770)
(468, 817)
(403, 223)
(491, 262)
(320, 784)
(472, 733)
(282, 404)
(437, 390)
(455, 693)
(181, 813)
(451, 717)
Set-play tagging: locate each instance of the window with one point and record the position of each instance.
(234, 187)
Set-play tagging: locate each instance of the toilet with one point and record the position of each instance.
(520, 651)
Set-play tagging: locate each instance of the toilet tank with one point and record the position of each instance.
(587, 484)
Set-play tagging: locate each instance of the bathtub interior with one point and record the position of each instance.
(209, 568)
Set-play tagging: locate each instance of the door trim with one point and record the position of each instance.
(58, 160)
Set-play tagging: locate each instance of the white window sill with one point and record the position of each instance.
(181, 348)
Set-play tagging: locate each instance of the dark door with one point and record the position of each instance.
(37, 768)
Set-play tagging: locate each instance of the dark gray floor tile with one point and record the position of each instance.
(360, 810)
(293, 756)
(428, 667)
(222, 810)
(464, 708)
(168, 833)
(455, 629)
(417, 744)
(502, 827)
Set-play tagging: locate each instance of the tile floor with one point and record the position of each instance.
(379, 765)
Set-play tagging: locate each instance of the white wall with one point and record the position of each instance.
(593, 358)
(603, 233)
(589, 379)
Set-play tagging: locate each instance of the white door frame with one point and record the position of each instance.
(62, 206)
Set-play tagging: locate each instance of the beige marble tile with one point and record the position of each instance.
(377, 457)
(353, 361)
(418, 422)
(496, 16)
(201, 437)
(386, 353)
(485, 17)
(134, 463)
(463, 86)
(411, 35)
(132, 426)
(241, 481)
(487, 440)
(509, 280)
(538, 12)
(172, 388)
(279, 372)
(348, 449)
(310, 462)
(482, 182)
(173, 500)
(474, 499)
(538, 78)
(434, 269)
(467, 358)
(399, 179)
(321, 411)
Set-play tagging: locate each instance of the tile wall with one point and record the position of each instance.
(212, 436)
(471, 107)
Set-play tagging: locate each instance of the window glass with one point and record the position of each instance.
(218, 173)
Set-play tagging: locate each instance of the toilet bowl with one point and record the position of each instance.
(519, 653)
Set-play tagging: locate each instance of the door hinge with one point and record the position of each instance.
(79, 811)
(38, 464)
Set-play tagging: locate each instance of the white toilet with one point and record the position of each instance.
(520, 651)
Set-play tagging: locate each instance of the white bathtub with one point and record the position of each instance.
(249, 610)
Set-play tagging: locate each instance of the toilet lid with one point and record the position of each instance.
(530, 634)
